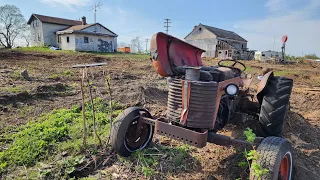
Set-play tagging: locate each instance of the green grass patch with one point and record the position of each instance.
(15, 75)
(281, 73)
(124, 55)
(250, 69)
(67, 73)
(16, 89)
(58, 131)
(41, 49)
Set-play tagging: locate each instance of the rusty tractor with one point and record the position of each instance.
(203, 99)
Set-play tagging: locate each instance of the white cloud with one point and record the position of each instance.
(300, 26)
(69, 4)
(276, 5)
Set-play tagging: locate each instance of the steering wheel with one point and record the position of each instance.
(233, 65)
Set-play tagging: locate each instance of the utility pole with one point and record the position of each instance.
(166, 24)
(95, 7)
(147, 40)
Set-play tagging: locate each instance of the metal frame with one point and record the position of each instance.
(197, 138)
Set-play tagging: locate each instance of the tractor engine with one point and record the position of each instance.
(192, 98)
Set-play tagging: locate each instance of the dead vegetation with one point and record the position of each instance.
(53, 84)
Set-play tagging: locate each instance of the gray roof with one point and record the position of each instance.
(224, 33)
(55, 20)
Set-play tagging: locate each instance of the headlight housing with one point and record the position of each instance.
(231, 89)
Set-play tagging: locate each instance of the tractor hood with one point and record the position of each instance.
(169, 54)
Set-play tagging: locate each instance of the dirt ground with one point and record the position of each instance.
(54, 84)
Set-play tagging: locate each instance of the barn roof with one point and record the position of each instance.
(224, 33)
(55, 20)
(79, 28)
(221, 33)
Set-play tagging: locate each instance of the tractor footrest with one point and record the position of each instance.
(194, 138)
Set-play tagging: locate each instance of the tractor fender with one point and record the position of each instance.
(263, 83)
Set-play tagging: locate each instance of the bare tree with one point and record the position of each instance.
(122, 44)
(137, 43)
(12, 24)
(27, 37)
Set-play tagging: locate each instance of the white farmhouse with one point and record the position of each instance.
(71, 34)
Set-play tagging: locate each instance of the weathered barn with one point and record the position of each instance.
(219, 43)
(71, 35)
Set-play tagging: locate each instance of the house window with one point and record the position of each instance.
(36, 23)
(86, 40)
(242, 46)
(59, 39)
(229, 55)
(67, 39)
(39, 39)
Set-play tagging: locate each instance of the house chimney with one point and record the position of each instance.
(84, 20)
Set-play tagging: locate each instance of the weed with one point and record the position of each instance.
(55, 77)
(147, 171)
(15, 75)
(252, 155)
(250, 136)
(170, 160)
(10, 89)
(67, 73)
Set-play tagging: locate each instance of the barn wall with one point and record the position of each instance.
(200, 33)
(203, 39)
(64, 45)
(95, 43)
(49, 33)
(209, 45)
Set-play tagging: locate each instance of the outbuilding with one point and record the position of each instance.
(266, 55)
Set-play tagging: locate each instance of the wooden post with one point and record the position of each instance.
(93, 112)
(108, 82)
(83, 111)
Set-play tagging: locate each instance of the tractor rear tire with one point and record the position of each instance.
(275, 155)
(125, 139)
(275, 106)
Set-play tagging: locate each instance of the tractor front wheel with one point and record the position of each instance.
(127, 134)
(274, 154)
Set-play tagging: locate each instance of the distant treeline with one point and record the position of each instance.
(307, 56)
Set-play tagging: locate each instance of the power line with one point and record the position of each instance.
(147, 40)
(166, 24)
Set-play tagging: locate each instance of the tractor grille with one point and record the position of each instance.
(202, 103)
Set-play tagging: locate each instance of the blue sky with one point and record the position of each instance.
(260, 22)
